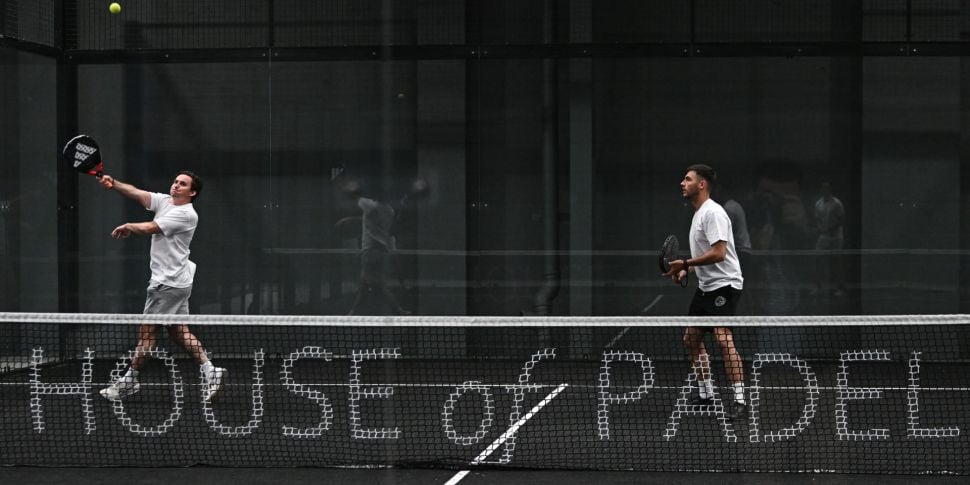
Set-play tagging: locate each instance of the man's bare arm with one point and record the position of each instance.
(130, 191)
(138, 228)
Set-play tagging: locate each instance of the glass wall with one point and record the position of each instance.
(28, 193)
(278, 143)
(28, 183)
(536, 173)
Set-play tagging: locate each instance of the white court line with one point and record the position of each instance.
(627, 329)
(654, 302)
(580, 387)
(508, 433)
(457, 478)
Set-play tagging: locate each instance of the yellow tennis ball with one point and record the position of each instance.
(114, 8)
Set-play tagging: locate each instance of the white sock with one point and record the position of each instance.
(208, 368)
(705, 389)
(739, 392)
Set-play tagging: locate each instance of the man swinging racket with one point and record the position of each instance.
(171, 231)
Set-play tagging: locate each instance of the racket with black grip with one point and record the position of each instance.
(83, 154)
(668, 253)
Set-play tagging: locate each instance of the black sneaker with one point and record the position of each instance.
(701, 401)
(738, 411)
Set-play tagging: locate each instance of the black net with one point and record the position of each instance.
(182, 24)
(915, 21)
(940, 21)
(227, 24)
(764, 20)
(372, 22)
(653, 21)
(223, 24)
(847, 394)
(31, 21)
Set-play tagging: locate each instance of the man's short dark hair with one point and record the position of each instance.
(196, 182)
(705, 172)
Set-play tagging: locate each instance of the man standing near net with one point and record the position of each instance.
(170, 286)
(829, 217)
(377, 244)
(714, 260)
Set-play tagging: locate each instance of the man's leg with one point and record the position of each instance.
(734, 368)
(181, 335)
(369, 279)
(392, 301)
(128, 384)
(387, 270)
(212, 376)
(146, 342)
(362, 288)
(694, 342)
(732, 359)
(838, 269)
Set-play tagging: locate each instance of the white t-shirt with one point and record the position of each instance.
(739, 224)
(829, 214)
(710, 225)
(170, 263)
(376, 224)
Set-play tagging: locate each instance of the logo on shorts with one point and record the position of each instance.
(720, 301)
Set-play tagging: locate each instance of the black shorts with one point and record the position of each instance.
(374, 265)
(722, 302)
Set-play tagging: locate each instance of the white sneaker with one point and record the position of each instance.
(212, 383)
(121, 389)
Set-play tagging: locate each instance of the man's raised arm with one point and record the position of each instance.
(127, 190)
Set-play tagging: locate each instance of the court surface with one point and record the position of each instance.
(299, 476)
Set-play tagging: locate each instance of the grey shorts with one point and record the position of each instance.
(167, 300)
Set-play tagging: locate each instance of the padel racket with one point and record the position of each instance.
(668, 253)
(84, 155)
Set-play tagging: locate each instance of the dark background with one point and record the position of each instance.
(553, 134)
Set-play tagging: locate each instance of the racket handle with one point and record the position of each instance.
(105, 180)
